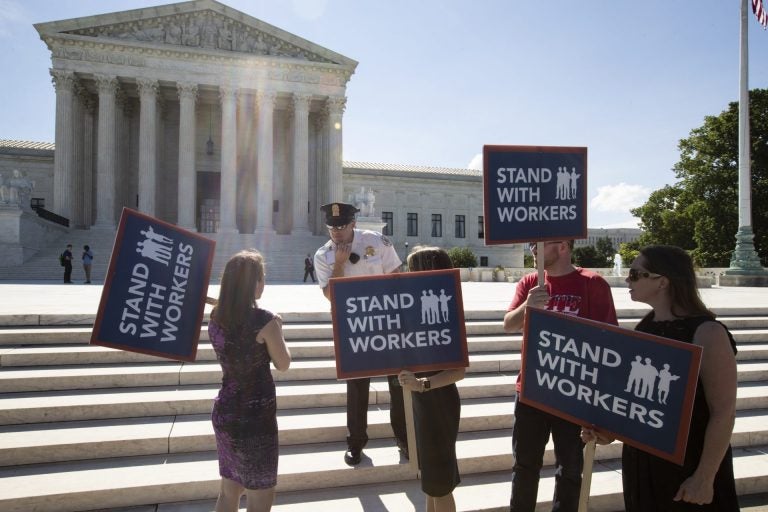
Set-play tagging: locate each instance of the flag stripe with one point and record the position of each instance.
(760, 12)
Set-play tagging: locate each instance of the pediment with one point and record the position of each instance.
(195, 25)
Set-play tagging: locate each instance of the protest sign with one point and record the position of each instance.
(385, 323)
(155, 291)
(534, 193)
(635, 386)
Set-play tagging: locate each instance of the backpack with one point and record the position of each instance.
(61, 259)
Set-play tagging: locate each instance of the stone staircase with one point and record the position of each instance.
(90, 428)
(284, 255)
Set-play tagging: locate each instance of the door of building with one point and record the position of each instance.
(208, 201)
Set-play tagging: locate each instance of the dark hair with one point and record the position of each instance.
(677, 266)
(86, 248)
(237, 294)
(428, 258)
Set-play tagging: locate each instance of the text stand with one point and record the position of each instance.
(413, 451)
(586, 475)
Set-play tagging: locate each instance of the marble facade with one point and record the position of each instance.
(197, 114)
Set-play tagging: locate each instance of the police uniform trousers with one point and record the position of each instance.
(357, 412)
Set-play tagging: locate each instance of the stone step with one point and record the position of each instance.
(168, 373)
(78, 353)
(76, 440)
(151, 479)
(54, 406)
(123, 437)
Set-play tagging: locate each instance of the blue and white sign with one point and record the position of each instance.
(636, 386)
(534, 193)
(154, 295)
(385, 323)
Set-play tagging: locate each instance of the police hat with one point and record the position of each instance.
(338, 214)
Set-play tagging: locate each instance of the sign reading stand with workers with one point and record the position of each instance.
(637, 387)
(154, 296)
(385, 323)
(534, 193)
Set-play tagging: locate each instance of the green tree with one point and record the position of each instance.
(462, 257)
(604, 248)
(588, 256)
(629, 251)
(700, 211)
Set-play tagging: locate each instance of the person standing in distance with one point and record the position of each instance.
(575, 291)
(66, 258)
(356, 252)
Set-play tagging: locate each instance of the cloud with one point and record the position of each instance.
(476, 162)
(12, 13)
(619, 198)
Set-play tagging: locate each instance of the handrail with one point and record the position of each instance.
(50, 216)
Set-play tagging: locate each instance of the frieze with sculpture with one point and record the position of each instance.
(202, 30)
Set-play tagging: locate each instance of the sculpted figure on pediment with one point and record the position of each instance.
(202, 30)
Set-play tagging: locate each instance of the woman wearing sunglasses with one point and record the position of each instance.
(662, 276)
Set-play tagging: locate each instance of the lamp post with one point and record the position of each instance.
(405, 260)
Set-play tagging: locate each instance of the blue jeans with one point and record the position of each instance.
(529, 440)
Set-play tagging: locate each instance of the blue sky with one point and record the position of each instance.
(439, 79)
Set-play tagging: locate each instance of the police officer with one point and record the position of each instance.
(354, 252)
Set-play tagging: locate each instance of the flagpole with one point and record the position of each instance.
(745, 268)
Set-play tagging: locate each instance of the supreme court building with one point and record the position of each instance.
(205, 117)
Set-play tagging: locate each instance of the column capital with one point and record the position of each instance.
(301, 102)
(106, 84)
(62, 80)
(187, 90)
(228, 92)
(335, 105)
(147, 87)
(266, 98)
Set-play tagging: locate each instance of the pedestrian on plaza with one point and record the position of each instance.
(309, 268)
(246, 338)
(436, 410)
(662, 276)
(87, 261)
(572, 290)
(66, 261)
(355, 252)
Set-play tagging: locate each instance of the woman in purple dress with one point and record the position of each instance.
(246, 338)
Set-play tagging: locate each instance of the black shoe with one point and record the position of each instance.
(403, 448)
(352, 456)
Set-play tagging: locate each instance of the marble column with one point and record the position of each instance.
(106, 160)
(335, 107)
(320, 122)
(63, 179)
(124, 194)
(187, 194)
(78, 93)
(147, 144)
(87, 192)
(265, 161)
(300, 163)
(228, 97)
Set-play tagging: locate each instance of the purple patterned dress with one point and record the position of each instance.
(244, 413)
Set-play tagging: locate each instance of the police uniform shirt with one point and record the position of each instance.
(377, 256)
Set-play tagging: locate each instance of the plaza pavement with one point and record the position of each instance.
(41, 298)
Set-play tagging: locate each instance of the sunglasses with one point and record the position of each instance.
(337, 228)
(636, 275)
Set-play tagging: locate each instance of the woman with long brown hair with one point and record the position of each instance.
(246, 338)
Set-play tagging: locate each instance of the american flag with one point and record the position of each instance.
(760, 12)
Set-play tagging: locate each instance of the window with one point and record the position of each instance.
(480, 228)
(461, 228)
(483, 261)
(413, 224)
(388, 219)
(437, 225)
